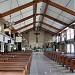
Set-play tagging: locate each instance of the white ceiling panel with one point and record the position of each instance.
(71, 5)
(48, 21)
(48, 28)
(19, 25)
(58, 25)
(52, 14)
(37, 18)
(68, 16)
(15, 19)
(61, 18)
(11, 4)
(27, 13)
(6, 6)
(29, 21)
(52, 23)
(18, 15)
(40, 7)
(24, 29)
(61, 2)
(27, 9)
(51, 8)
(40, 18)
(22, 2)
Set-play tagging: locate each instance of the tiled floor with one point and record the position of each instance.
(41, 65)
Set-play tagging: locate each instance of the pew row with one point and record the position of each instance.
(64, 59)
(15, 63)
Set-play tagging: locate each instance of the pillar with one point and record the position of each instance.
(2, 47)
(9, 47)
(66, 40)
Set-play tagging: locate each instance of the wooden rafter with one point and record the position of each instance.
(47, 16)
(26, 18)
(47, 30)
(68, 26)
(20, 8)
(50, 26)
(13, 31)
(25, 26)
(27, 30)
(44, 12)
(36, 22)
(72, 22)
(60, 7)
(0, 15)
(34, 13)
(56, 20)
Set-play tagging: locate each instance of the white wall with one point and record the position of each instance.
(25, 41)
(47, 37)
(31, 37)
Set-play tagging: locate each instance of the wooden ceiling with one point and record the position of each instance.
(34, 4)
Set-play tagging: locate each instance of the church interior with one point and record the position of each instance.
(37, 37)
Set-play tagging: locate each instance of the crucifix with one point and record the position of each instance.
(36, 36)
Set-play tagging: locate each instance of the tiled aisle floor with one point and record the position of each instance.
(41, 65)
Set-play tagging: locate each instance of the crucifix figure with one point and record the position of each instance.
(36, 36)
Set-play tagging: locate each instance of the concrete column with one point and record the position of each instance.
(66, 39)
(9, 47)
(2, 47)
(14, 36)
(2, 29)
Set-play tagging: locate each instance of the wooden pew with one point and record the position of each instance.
(72, 65)
(66, 59)
(15, 62)
(14, 66)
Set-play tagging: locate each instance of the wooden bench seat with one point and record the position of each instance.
(15, 63)
(67, 59)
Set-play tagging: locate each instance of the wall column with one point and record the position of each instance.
(9, 47)
(2, 47)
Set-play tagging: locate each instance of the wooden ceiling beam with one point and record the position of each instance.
(60, 7)
(27, 30)
(25, 26)
(50, 26)
(56, 20)
(20, 8)
(47, 31)
(71, 26)
(34, 13)
(72, 23)
(26, 18)
(0, 15)
(47, 16)
(46, 7)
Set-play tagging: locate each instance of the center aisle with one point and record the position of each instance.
(41, 65)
